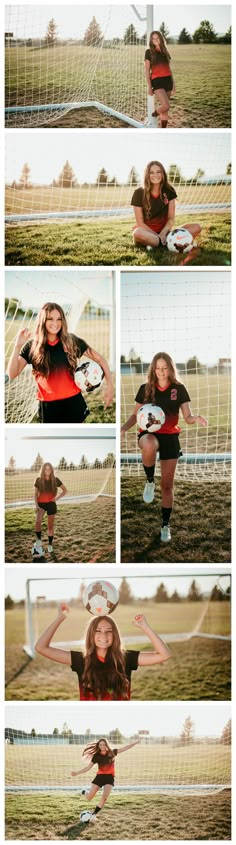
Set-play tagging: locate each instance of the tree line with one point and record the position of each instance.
(94, 37)
(186, 737)
(63, 464)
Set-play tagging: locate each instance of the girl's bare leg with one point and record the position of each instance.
(51, 520)
(39, 516)
(164, 101)
(149, 446)
(92, 792)
(146, 237)
(105, 795)
(193, 228)
(167, 482)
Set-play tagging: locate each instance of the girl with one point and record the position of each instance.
(104, 669)
(164, 390)
(158, 75)
(154, 208)
(53, 353)
(103, 755)
(46, 496)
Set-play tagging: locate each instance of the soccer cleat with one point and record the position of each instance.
(194, 244)
(93, 819)
(165, 534)
(50, 548)
(148, 493)
(37, 549)
(149, 248)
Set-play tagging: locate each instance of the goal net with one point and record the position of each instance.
(181, 764)
(187, 315)
(67, 57)
(88, 301)
(85, 465)
(51, 182)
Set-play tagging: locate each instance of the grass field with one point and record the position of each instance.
(141, 817)
(200, 668)
(109, 242)
(59, 75)
(83, 533)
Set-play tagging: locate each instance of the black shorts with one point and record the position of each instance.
(165, 82)
(169, 446)
(102, 780)
(49, 507)
(72, 410)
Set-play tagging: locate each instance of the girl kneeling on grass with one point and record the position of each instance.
(46, 496)
(154, 209)
(104, 669)
(164, 390)
(103, 755)
(53, 354)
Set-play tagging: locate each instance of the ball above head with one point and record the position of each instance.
(88, 376)
(179, 240)
(100, 598)
(85, 816)
(150, 418)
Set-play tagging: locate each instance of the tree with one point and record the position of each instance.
(9, 603)
(93, 35)
(33, 732)
(205, 34)
(115, 736)
(125, 594)
(103, 177)
(24, 181)
(55, 732)
(133, 177)
(109, 461)
(193, 365)
(11, 464)
(225, 738)
(184, 37)
(97, 464)
(187, 734)
(65, 731)
(174, 174)
(199, 174)
(62, 464)
(38, 463)
(164, 31)
(131, 36)
(67, 178)
(229, 169)
(175, 596)
(51, 36)
(84, 464)
(217, 594)
(194, 593)
(161, 594)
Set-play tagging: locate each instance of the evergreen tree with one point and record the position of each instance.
(24, 181)
(51, 33)
(174, 174)
(194, 593)
(184, 37)
(125, 593)
(161, 594)
(103, 177)
(131, 36)
(187, 734)
(93, 35)
(226, 734)
(67, 177)
(38, 463)
(164, 31)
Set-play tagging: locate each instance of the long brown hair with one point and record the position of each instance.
(42, 478)
(147, 186)
(98, 677)
(163, 47)
(93, 749)
(152, 377)
(39, 355)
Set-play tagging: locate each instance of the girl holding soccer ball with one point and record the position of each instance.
(158, 75)
(101, 754)
(165, 391)
(53, 353)
(154, 209)
(48, 489)
(104, 668)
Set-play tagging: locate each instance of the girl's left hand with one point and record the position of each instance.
(109, 395)
(139, 620)
(202, 420)
(163, 239)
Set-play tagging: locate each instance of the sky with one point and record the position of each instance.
(185, 313)
(72, 20)
(24, 448)
(210, 151)
(160, 719)
(32, 287)
(65, 586)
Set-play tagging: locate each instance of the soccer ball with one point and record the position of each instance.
(85, 816)
(100, 598)
(179, 240)
(88, 376)
(150, 418)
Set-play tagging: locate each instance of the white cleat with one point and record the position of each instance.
(37, 549)
(50, 549)
(93, 819)
(149, 491)
(165, 534)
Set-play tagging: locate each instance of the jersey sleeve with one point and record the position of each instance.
(131, 661)
(137, 198)
(171, 194)
(58, 482)
(115, 751)
(25, 351)
(81, 345)
(77, 663)
(148, 55)
(141, 394)
(183, 395)
(36, 483)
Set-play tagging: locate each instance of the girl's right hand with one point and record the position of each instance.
(64, 610)
(22, 337)
(73, 774)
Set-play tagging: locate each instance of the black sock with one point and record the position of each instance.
(149, 472)
(97, 810)
(164, 124)
(166, 512)
(50, 540)
(38, 534)
(83, 792)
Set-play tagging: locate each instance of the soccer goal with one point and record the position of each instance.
(88, 300)
(81, 58)
(179, 765)
(85, 465)
(188, 316)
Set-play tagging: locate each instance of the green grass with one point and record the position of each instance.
(110, 243)
(201, 100)
(146, 817)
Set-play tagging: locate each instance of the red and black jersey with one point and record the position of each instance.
(77, 665)
(170, 400)
(105, 762)
(59, 384)
(160, 66)
(47, 494)
(159, 207)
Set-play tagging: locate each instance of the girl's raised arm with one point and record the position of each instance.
(161, 653)
(126, 747)
(43, 643)
(16, 363)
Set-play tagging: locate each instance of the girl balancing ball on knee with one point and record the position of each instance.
(103, 668)
(46, 496)
(154, 209)
(158, 75)
(53, 354)
(159, 429)
(101, 754)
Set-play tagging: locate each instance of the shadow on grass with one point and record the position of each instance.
(74, 831)
(19, 672)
